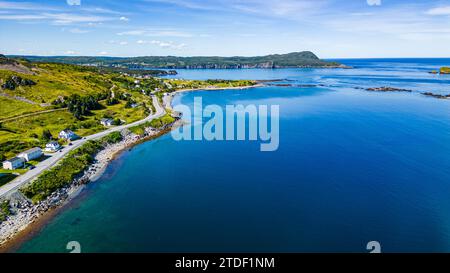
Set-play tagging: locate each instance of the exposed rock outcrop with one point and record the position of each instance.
(387, 89)
(13, 65)
(438, 96)
(14, 81)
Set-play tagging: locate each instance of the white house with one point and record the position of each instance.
(107, 122)
(67, 134)
(52, 146)
(13, 163)
(31, 154)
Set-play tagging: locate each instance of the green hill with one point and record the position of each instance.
(296, 59)
(54, 97)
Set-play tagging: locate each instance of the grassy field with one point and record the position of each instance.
(11, 108)
(53, 80)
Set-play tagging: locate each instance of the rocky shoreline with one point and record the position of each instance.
(25, 213)
(387, 89)
(393, 89)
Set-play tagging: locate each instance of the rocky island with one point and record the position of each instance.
(442, 71)
(437, 96)
(387, 89)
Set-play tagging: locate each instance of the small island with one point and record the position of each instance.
(387, 89)
(442, 71)
(445, 70)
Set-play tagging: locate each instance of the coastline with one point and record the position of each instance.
(259, 84)
(167, 100)
(29, 218)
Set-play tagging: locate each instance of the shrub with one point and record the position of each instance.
(4, 210)
(46, 135)
(162, 121)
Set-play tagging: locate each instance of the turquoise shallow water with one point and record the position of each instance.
(352, 167)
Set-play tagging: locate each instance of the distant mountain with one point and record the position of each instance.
(291, 60)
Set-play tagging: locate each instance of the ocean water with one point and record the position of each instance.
(352, 167)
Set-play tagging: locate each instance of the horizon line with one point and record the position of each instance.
(200, 56)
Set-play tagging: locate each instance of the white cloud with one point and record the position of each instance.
(70, 52)
(100, 10)
(20, 17)
(103, 53)
(170, 45)
(374, 2)
(74, 2)
(57, 18)
(396, 25)
(67, 18)
(23, 6)
(90, 24)
(118, 42)
(125, 19)
(78, 31)
(156, 33)
(294, 9)
(439, 11)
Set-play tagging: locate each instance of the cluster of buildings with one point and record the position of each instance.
(19, 161)
(107, 122)
(35, 153)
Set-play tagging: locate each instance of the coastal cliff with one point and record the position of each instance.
(304, 59)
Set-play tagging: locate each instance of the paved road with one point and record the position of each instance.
(48, 163)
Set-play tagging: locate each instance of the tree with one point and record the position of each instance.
(117, 121)
(112, 101)
(128, 104)
(47, 135)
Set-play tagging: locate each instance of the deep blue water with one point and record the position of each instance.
(352, 167)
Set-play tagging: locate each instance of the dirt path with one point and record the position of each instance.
(31, 114)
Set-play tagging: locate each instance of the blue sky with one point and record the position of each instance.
(330, 28)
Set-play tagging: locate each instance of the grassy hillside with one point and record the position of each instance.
(53, 80)
(58, 82)
(11, 107)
